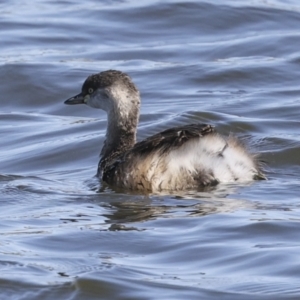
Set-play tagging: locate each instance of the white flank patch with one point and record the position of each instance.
(209, 155)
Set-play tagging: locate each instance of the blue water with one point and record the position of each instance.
(233, 64)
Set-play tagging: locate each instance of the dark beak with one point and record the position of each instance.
(78, 99)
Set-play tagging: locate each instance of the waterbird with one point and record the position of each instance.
(186, 157)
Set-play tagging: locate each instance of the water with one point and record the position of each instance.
(234, 64)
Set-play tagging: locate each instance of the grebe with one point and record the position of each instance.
(180, 158)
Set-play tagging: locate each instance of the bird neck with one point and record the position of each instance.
(120, 134)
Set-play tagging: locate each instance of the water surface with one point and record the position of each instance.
(233, 64)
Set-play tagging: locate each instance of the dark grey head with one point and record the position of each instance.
(108, 90)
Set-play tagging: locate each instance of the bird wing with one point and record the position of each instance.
(172, 138)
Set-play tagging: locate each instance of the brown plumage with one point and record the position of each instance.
(140, 158)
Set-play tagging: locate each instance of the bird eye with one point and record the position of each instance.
(90, 90)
